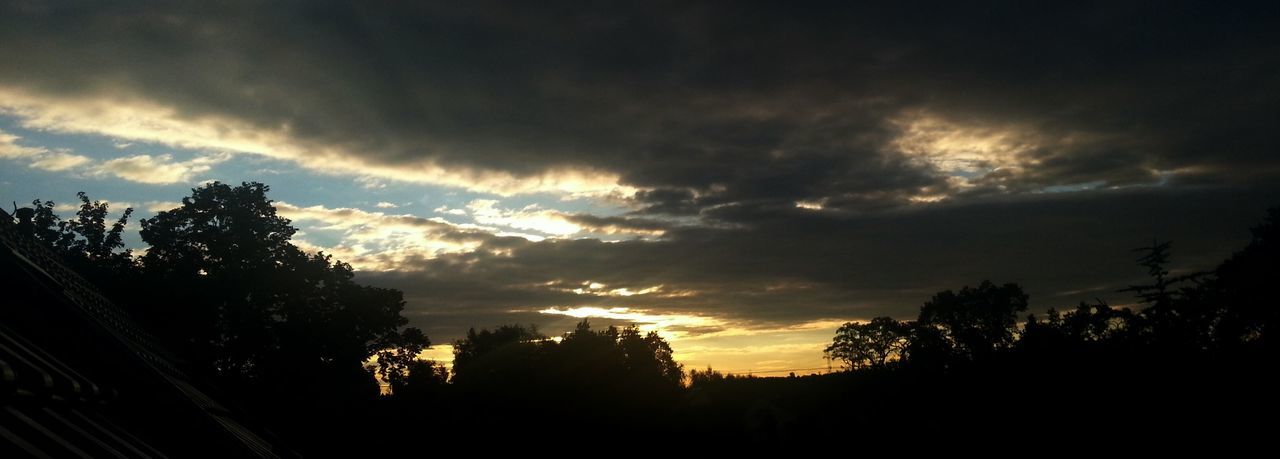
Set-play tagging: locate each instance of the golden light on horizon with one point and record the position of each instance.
(700, 341)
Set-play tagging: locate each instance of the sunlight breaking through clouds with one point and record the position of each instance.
(963, 150)
(136, 119)
(536, 223)
(726, 344)
(670, 326)
(531, 217)
(1015, 157)
(810, 205)
(598, 289)
(374, 241)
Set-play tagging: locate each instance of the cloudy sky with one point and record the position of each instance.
(741, 177)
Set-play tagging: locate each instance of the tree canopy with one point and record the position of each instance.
(977, 320)
(584, 368)
(223, 284)
(871, 344)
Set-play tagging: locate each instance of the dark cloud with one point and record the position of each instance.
(750, 102)
(618, 224)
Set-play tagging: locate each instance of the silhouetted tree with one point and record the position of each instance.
(1090, 327)
(1245, 288)
(585, 366)
(252, 309)
(87, 244)
(504, 339)
(699, 378)
(927, 346)
(1155, 258)
(287, 331)
(648, 357)
(422, 380)
(85, 237)
(399, 355)
(872, 344)
(977, 320)
(588, 365)
(1174, 315)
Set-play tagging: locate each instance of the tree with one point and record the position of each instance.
(927, 346)
(1160, 294)
(249, 308)
(1174, 315)
(699, 378)
(592, 366)
(422, 380)
(477, 345)
(87, 243)
(287, 332)
(398, 356)
(648, 357)
(872, 344)
(1093, 327)
(976, 320)
(1245, 289)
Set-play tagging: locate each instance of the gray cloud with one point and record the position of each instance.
(759, 102)
(623, 225)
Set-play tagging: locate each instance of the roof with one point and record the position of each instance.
(80, 378)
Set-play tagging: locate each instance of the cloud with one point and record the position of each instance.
(610, 102)
(73, 207)
(447, 210)
(554, 223)
(374, 241)
(144, 120)
(531, 217)
(11, 149)
(670, 325)
(39, 157)
(158, 169)
(619, 225)
(385, 205)
(59, 161)
(161, 206)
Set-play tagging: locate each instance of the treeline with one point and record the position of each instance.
(1228, 311)
(1194, 363)
(292, 336)
(517, 385)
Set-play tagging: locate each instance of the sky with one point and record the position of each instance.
(741, 178)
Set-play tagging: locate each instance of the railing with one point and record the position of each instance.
(83, 295)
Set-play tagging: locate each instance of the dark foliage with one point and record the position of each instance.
(593, 380)
(89, 243)
(286, 332)
(872, 344)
